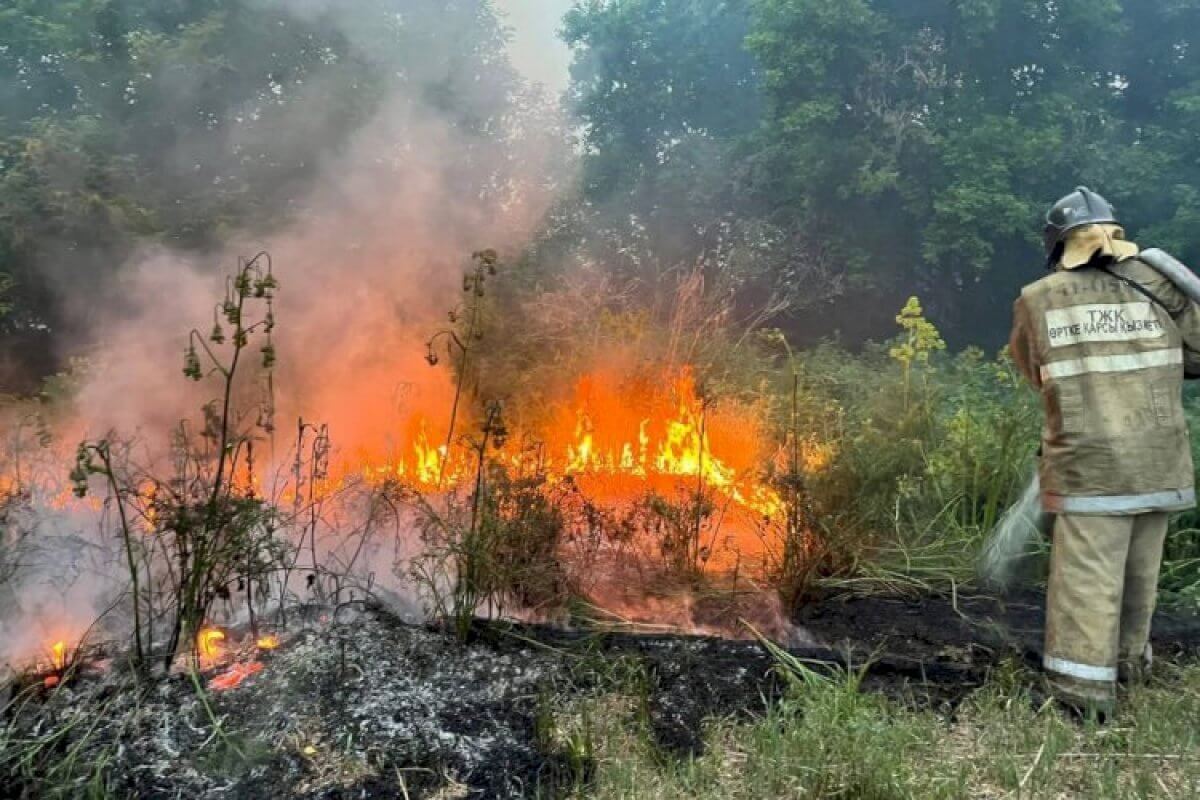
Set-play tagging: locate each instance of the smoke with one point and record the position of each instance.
(458, 155)
(536, 49)
(374, 257)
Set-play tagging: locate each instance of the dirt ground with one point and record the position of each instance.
(369, 706)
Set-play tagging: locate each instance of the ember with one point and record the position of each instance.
(235, 675)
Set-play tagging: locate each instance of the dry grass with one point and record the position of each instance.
(827, 740)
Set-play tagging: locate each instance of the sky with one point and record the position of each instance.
(536, 49)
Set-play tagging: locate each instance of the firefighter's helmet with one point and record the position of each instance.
(1081, 207)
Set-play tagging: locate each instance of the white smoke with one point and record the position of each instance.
(368, 269)
(536, 49)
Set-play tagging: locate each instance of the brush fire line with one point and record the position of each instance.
(622, 430)
(618, 438)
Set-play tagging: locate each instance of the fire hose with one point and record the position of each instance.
(1025, 523)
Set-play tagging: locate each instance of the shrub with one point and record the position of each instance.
(196, 537)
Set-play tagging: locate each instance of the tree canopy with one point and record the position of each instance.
(914, 144)
(817, 160)
(127, 122)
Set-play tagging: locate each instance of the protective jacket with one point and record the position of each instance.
(1107, 345)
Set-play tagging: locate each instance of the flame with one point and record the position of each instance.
(267, 642)
(646, 432)
(209, 643)
(427, 468)
(620, 437)
(58, 656)
(640, 428)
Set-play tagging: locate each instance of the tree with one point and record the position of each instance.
(668, 95)
(127, 122)
(652, 77)
(873, 148)
(923, 140)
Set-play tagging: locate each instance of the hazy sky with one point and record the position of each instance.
(536, 49)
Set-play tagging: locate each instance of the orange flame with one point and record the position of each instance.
(209, 643)
(267, 642)
(619, 438)
(58, 656)
(651, 432)
(640, 428)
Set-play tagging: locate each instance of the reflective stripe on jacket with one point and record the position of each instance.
(1109, 362)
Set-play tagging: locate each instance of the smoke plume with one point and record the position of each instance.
(458, 155)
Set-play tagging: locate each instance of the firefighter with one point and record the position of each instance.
(1106, 339)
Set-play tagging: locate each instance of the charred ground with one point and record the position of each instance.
(368, 706)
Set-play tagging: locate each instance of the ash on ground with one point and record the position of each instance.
(369, 706)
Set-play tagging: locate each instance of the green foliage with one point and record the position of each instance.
(654, 79)
(828, 739)
(668, 93)
(920, 469)
(116, 110)
(863, 148)
(1180, 579)
(920, 339)
(135, 122)
(921, 140)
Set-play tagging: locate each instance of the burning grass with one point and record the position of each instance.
(617, 440)
(650, 490)
(674, 493)
(645, 467)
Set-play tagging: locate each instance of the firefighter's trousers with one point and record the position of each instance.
(1102, 590)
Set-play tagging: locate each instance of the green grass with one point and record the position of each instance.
(829, 740)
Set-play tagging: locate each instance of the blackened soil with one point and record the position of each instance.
(370, 707)
(929, 651)
(968, 632)
(680, 681)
